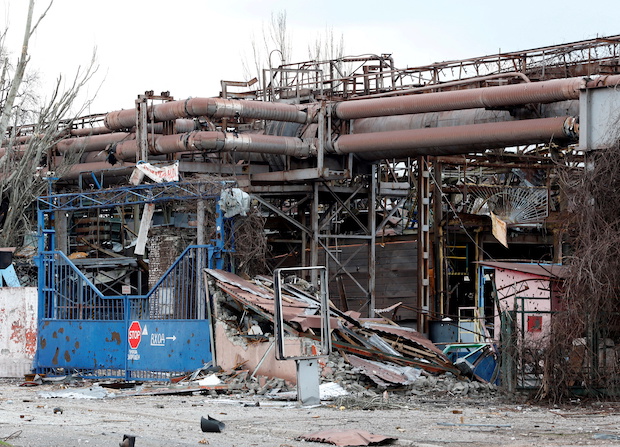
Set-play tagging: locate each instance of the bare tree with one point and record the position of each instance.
(275, 49)
(275, 43)
(326, 47)
(24, 162)
(14, 82)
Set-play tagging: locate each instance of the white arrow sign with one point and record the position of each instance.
(173, 338)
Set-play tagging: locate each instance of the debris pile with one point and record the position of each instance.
(369, 356)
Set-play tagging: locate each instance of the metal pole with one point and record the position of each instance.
(314, 246)
(423, 242)
(200, 258)
(141, 128)
(372, 247)
(438, 239)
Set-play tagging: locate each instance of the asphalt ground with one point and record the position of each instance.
(29, 416)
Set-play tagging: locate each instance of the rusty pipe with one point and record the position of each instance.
(180, 126)
(408, 91)
(74, 171)
(92, 143)
(455, 139)
(210, 107)
(485, 97)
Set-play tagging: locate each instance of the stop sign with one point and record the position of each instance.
(135, 334)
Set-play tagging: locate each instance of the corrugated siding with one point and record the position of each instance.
(396, 275)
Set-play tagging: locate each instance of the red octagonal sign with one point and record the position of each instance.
(135, 334)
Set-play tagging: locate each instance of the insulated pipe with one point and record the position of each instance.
(180, 126)
(248, 142)
(461, 117)
(97, 135)
(211, 107)
(485, 97)
(211, 142)
(455, 139)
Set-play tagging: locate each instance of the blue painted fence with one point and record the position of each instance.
(143, 337)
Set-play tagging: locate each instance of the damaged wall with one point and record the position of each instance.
(531, 296)
(18, 330)
(233, 352)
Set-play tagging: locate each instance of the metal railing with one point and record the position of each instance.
(67, 294)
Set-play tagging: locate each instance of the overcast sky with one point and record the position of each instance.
(188, 46)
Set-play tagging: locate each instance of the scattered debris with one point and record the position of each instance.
(347, 438)
(93, 392)
(609, 436)
(211, 425)
(452, 424)
(128, 441)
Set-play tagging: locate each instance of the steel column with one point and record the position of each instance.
(372, 248)
(141, 129)
(423, 243)
(438, 239)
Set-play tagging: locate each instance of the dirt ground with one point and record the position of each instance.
(28, 418)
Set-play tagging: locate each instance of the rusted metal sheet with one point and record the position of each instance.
(382, 374)
(406, 333)
(347, 437)
(262, 298)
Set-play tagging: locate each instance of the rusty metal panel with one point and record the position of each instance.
(171, 345)
(95, 345)
(18, 330)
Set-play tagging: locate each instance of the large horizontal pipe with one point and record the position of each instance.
(92, 143)
(461, 117)
(97, 138)
(212, 141)
(212, 108)
(76, 170)
(486, 97)
(456, 139)
(180, 125)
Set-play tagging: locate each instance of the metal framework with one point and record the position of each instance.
(94, 320)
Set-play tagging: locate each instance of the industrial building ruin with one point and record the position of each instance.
(432, 196)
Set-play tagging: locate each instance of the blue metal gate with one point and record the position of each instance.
(98, 335)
